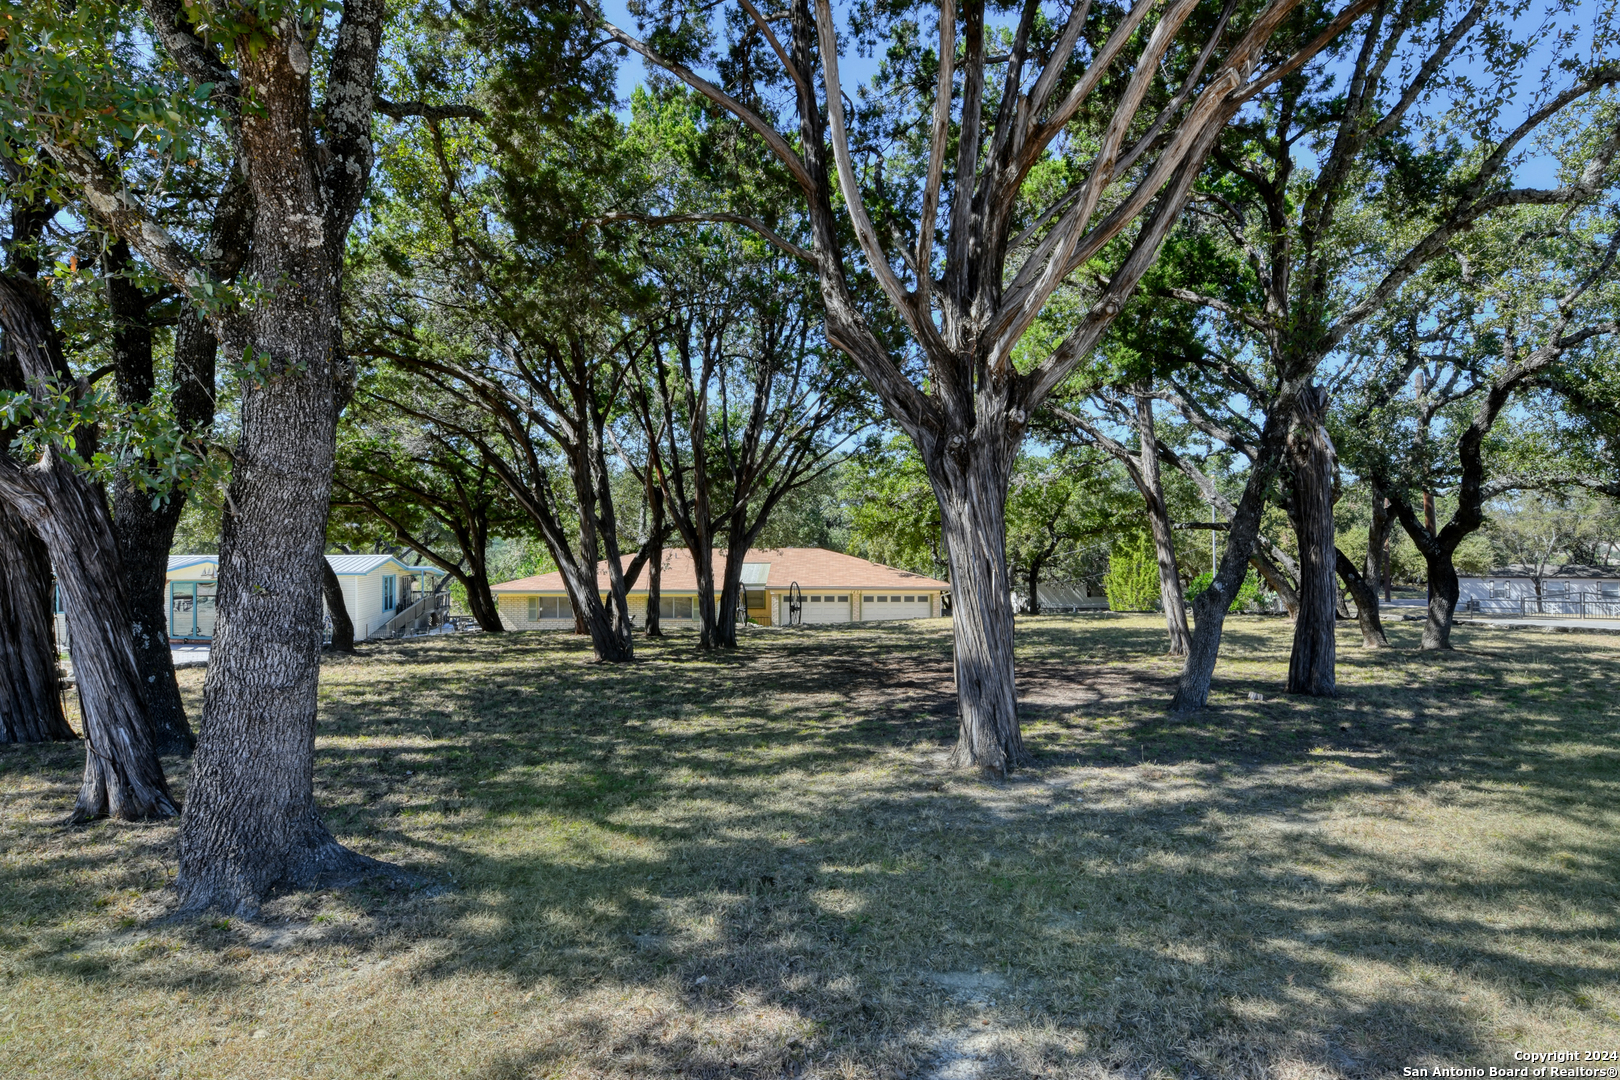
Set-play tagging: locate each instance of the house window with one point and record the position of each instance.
(389, 594)
(549, 607)
(866, 599)
(1610, 590)
(1557, 588)
(843, 599)
(674, 607)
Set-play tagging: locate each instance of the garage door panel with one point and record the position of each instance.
(823, 608)
(884, 607)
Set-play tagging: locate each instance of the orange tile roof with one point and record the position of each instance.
(812, 568)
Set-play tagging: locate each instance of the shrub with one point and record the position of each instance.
(1132, 583)
(1250, 594)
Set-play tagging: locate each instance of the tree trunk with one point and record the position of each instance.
(972, 492)
(708, 610)
(30, 698)
(123, 777)
(1164, 544)
(725, 615)
(251, 824)
(481, 602)
(1034, 586)
(655, 561)
(337, 608)
(1274, 577)
(144, 536)
(1443, 592)
(145, 531)
(1209, 610)
(1310, 452)
(1376, 565)
(1366, 597)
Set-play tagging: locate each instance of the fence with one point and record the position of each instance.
(1584, 605)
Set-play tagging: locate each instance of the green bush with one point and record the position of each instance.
(1132, 583)
(1250, 593)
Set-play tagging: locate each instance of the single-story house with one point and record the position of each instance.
(1571, 589)
(828, 586)
(382, 593)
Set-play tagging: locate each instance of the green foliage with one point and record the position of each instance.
(1062, 513)
(1132, 583)
(893, 515)
(1251, 594)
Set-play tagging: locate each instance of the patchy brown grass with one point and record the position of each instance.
(756, 865)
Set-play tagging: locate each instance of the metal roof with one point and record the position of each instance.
(365, 564)
(341, 564)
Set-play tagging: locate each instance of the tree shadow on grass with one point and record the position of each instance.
(763, 871)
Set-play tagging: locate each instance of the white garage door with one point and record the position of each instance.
(824, 607)
(876, 606)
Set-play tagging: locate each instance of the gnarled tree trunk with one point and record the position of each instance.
(1443, 593)
(972, 490)
(481, 602)
(1164, 544)
(337, 608)
(1209, 610)
(1311, 457)
(123, 777)
(1277, 579)
(655, 561)
(1376, 567)
(144, 530)
(1366, 598)
(30, 699)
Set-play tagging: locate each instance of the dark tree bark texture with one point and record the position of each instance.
(1365, 595)
(972, 496)
(251, 825)
(336, 608)
(1312, 465)
(144, 532)
(123, 777)
(30, 697)
(655, 559)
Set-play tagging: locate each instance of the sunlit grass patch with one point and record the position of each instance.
(757, 865)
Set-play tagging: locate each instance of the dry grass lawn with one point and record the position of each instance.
(756, 866)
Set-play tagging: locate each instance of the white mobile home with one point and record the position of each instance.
(1571, 590)
(383, 594)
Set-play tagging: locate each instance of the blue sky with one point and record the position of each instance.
(1533, 172)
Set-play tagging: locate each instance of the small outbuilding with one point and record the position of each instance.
(829, 587)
